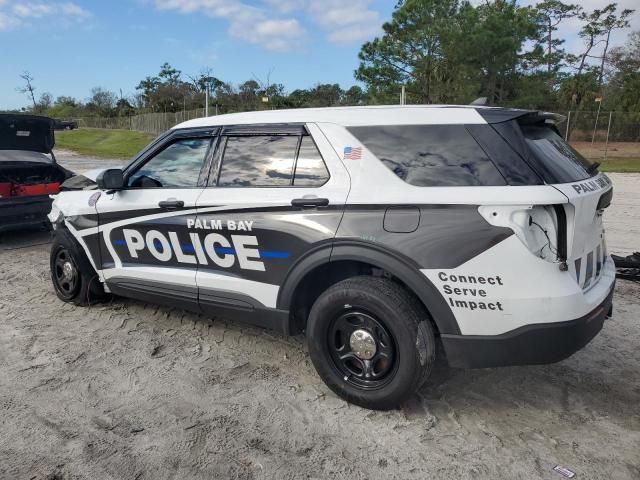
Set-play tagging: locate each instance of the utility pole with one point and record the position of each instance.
(206, 101)
(606, 145)
(595, 126)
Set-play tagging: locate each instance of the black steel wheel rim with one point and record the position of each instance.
(65, 273)
(363, 373)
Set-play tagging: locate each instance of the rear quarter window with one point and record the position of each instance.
(430, 155)
(555, 159)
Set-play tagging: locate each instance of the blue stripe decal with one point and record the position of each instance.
(224, 250)
(268, 254)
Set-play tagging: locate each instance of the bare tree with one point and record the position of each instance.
(28, 88)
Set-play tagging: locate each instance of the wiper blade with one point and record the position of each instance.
(593, 167)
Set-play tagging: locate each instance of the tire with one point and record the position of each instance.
(395, 322)
(74, 279)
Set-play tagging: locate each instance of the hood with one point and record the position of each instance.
(26, 132)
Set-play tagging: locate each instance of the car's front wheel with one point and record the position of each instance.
(371, 341)
(74, 280)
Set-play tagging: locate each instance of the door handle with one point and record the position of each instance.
(171, 204)
(310, 202)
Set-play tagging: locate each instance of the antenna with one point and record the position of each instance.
(479, 101)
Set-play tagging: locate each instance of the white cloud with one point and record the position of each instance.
(16, 15)
(285, 6)
(346, 22)
(246, 22)
(274, 24)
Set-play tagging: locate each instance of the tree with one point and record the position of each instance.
(495, 35)
(101, 102)
(44, 102)
(624, 85)
(414, 51)
(354, 96)
(148, 86)
(168, 74)
(28, 88)
(551, 14)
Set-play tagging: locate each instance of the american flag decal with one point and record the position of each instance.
(351, 153)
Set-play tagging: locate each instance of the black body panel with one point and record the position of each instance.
(447, 237)
(211, 302)
(529, 345)
(16, 212)
(178, 296)
(499, 115)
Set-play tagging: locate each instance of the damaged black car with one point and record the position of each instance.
(29, 173)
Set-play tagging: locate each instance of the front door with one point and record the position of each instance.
(275, 195)
(146, 249)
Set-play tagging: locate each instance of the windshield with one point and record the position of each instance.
(559, 162)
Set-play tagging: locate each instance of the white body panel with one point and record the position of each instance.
(533, 290)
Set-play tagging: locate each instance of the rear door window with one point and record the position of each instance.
(258, 161)
(271, 161)
(431, 155)
(556, 160)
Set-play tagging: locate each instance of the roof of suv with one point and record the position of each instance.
(369, 115)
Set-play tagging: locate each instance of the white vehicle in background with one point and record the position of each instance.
(377, 231)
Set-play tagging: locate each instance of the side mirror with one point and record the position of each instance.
(111, 179)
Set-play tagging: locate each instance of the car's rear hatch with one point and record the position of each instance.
(27, 165)
(580, 234)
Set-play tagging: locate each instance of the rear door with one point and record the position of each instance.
(145, 245)
(275, 196)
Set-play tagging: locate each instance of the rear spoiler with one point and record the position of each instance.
(500, 115)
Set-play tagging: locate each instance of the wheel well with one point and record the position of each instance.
(322, 277)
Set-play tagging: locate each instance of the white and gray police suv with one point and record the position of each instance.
(379, 232)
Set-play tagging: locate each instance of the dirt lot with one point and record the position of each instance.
(614, 149)
(135, 391)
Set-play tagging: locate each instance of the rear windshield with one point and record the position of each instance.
(555, 159)
(430, 155)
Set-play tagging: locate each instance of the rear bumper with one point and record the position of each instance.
(527, 345)
(17, 212)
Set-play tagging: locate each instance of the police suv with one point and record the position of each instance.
(385, 234)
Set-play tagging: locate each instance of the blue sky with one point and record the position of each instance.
(70, 47)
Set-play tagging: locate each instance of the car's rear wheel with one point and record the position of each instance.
(74, 280)
(371, 341)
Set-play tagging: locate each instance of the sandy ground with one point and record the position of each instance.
(134, 391)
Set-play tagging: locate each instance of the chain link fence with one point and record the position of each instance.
(154, 123)
(599, 135)
(600, 126)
